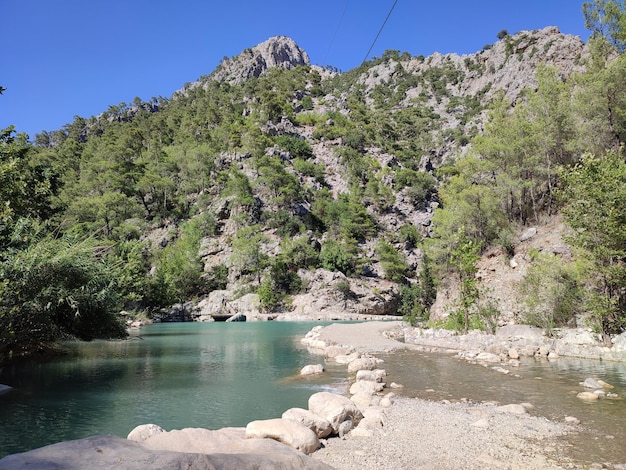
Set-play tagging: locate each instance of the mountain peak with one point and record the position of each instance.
(277, 51)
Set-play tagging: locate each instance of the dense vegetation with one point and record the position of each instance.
(113, 212)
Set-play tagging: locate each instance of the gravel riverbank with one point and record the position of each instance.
(422, 434)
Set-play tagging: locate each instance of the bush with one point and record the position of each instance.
(409, 235)
(56, 289)
(295, 146)
(335, 257)
(552, 296)
(392, 262)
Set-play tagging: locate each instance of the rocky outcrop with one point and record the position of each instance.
(278, 51)
(111, 451)
(287, 431)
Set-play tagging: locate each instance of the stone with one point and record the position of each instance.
(144, 431)
(591, 383)
(488, 357)
(5, 389)
(334, 351)
(513, 353)
(386, 401)
(365, 400)
(335, 409)
(528, 234)
(376, 375)
(100, 452)
(587, 396)
(513, 408)
(366, 386)
(289, 432)
(481, 423)
(572, 420)
(364, 363)
(314, 422)
(346, 358)
(312, 369)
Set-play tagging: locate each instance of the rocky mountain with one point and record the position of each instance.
(451, 92)
(278, 51)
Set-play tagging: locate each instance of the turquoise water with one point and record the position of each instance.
(213, 375)
(175, 375)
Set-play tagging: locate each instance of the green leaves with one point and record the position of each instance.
(56, 288)
(594, 198)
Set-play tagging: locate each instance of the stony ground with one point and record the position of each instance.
(421, 434)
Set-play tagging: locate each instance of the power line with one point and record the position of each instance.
(332, 41)
(380, 30)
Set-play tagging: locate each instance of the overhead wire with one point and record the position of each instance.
(380, 31)
(332, 41)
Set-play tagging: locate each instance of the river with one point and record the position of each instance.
(214, 375)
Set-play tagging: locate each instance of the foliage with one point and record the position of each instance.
(594, 198)
(416, 298)
(281, 281)
(463, 258)
(551, 292)
(179, 268)
(336, 256)
(606, 19)
(55, 289)
(392, 261)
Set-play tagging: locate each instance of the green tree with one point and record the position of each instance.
(248, 257)
(56, 289)
(179, 268)
(464, 258)
(392, 261)
(594, 198)
(606, 19)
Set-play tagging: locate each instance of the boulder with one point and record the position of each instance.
(144, 431)
(591, 383)
(513, 408)
(108, 451)
(335, 409)
(587, 396)
(346, 358)
(364, 363)
(375, 375)
(5, 389)
(315, 423)
(488, 357)
(312, 369)
(520, 331)
(367, 387)
(289, 432)
(365, 400)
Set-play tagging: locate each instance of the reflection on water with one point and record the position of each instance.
(551, 386)
(226, 374)
(175, 375)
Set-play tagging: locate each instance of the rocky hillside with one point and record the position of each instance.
(452, 92)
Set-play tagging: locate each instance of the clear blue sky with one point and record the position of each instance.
(63, 58)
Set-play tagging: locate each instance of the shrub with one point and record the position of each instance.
(56, 289)
(335, 257)
(551, 293)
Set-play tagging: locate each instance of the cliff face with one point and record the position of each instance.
(278, 51)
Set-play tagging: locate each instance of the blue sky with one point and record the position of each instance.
(63, 58)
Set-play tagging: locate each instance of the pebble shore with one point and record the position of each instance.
(422, 434)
